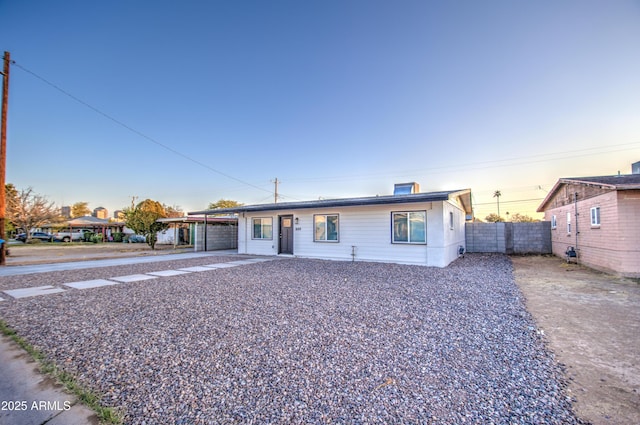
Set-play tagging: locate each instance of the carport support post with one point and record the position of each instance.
(175, 235)
(205, 232)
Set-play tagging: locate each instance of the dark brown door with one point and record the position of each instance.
(286, 235)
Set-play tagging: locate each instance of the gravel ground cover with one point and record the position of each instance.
(304, 341)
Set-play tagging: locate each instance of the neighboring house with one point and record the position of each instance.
(412, 228)
(600, 218)
(96, 225)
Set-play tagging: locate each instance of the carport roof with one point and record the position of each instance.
(464, 195)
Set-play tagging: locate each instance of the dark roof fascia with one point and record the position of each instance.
(617, 182)
(344, 202)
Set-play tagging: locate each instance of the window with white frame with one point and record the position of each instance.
(325, 228)
(568, 222)
(262, 228)
(595, 216)
(409, 227)
(554, 221)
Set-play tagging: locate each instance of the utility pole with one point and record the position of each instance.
(3, 156)
(275, 194)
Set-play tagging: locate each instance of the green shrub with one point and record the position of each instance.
(97, 238)
(118, 236)
(87, 236)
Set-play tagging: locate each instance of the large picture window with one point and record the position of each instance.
(325, 227)
(409, 227)
(263, 228)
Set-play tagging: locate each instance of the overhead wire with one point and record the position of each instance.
(506, 162)
(135, 131)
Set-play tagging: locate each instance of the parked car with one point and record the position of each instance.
(136, 239)
(45, 237)
(75, 235)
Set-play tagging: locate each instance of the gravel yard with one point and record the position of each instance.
(301, 341)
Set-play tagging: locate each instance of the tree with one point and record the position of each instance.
(173, 211)
(28, 210)
(493, 218)
(11, 196)
(497, 194)
(522, 218)
(224, 203)
(80, 209)
(142, 220)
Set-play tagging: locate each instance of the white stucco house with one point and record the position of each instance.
(411, 228)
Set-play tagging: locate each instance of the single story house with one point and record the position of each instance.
(600, 218)
(97, 225)
(409, 228)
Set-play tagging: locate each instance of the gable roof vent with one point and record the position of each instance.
(406, 188)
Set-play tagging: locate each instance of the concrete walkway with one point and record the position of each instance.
(29, 398)
(76, 265)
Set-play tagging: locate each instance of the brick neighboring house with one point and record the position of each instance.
(600, 217)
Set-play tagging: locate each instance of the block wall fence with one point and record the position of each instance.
(509, 238)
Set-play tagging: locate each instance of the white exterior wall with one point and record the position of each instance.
(453, 237)
(368, 229)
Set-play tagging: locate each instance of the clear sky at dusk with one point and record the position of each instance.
(188, 102)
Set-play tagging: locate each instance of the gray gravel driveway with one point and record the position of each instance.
(301, 341)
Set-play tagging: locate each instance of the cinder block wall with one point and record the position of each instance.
(532, 238)
(218, 237)
(509, 238)
(485, 237)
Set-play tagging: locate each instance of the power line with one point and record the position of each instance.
(510, 202)
(137, 132)
(507, 162)
(513, 161)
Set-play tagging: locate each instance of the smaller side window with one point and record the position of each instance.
(325, 228)
(554, 221)
(262, 228)
(568, 222)
(595, 216)
(450, 220)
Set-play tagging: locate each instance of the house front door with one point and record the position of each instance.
(286, 235)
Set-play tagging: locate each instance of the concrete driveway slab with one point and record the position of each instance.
(94, 283)
(32, 292)
(133, 278)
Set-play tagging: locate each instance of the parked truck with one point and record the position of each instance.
(73, 236)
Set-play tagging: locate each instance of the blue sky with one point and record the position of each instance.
(190, 102)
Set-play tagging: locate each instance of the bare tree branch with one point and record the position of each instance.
(28, 210)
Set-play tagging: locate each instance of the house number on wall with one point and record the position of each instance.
(298, 228)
